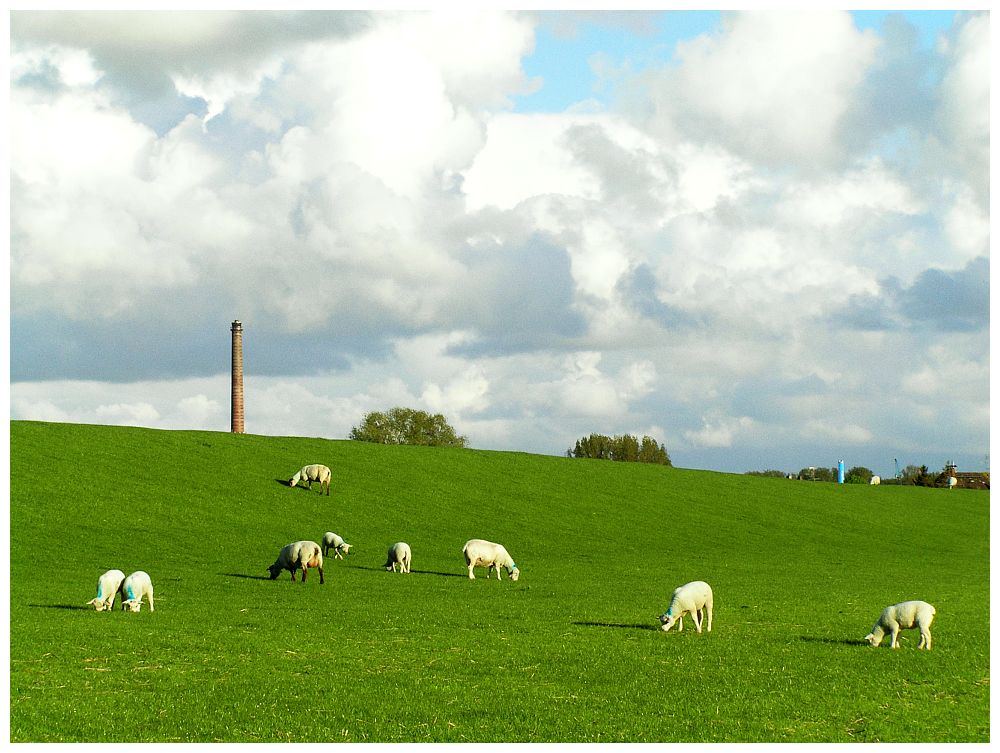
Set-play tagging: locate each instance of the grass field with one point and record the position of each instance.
(569, 653)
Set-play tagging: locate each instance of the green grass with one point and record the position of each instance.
(569, 653)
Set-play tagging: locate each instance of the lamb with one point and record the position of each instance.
(489, 555)
(399, 553)
(692, 597)
(108, 585)
(310, 473)
(907, 614)
(337, 544)
(135, 587)
(875, 480)
(298, 555)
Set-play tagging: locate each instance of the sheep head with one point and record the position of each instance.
(515, 573)
(872, 640)
(134, 605)
(98, 604)
(345, 548)
(275, 570)
(667, 621)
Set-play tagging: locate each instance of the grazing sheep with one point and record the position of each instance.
(310, 473)
(692, 597)
(489, 555)
(135, 587)
(298, 555)
(399, 553)
(108, 585)
(337, 544)
(875, 480)
(952, 482)
(907, 614)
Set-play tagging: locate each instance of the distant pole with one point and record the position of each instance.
(238, 423)
(840, 471)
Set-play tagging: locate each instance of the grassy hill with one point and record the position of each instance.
(569, 653)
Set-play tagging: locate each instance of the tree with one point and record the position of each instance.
(909, 474)
(924, 478)
(768, 473)
(858, 475)
(407, 426)
(625, 448)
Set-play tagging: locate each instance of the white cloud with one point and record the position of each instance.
(137, 414)
(719, 431)
(964, 111)
(773, 86)
(836, 431)
(522, 158)
(73, 67)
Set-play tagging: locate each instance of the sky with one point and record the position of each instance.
(760, 237)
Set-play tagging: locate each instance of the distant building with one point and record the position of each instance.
(973, 480)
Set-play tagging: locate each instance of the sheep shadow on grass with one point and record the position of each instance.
(245, 575)
(284, 482)
(443, 575)
(619, 625)
(412, 572)
(87, 608)
(834, 641)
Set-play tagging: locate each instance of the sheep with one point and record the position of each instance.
(108, 585)
(298, 555)
(693, 597)
(875, 480)
(907, 614)
(336, 543)
(310, 473)
(135, 587)
(952, 482)
(399, 553)
(489, 555)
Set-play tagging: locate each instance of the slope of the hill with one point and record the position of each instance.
(568, 653)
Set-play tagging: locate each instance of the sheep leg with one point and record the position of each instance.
(708, 608)
(150, 596)
(697, 618)
(472, 575)
(895, 637)
(680, 623)
(925, 638)
(321, 581)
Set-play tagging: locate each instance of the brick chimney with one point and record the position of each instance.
(238, 425)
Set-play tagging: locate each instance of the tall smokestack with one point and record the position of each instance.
(238, 425)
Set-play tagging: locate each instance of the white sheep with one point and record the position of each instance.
(135, 587)
(299, 555)
(875, 480)
(907, 614)
(399, 553)
(489, 555)
(108, 585)
(310, 473)
(692, 597)
(952, 482)
(336, 543)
